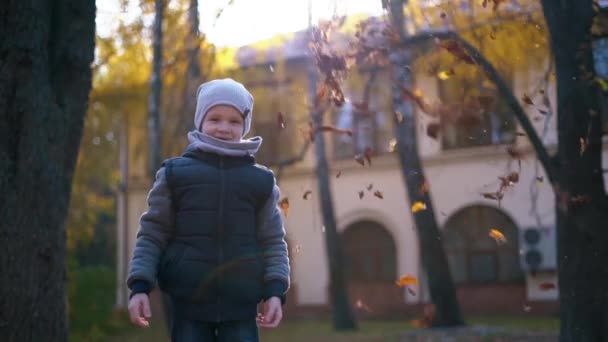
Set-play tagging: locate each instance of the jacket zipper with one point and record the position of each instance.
(220, 235)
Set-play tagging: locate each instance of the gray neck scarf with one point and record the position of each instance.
(207, 143)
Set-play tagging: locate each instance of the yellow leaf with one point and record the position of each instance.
(407, 280)
(603, 84)
(418, 206)
(392, 145)
(498, 236)
(444, 75)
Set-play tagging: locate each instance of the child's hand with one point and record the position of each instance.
(273, 313)
(139, 310)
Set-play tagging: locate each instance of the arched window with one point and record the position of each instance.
(474, 257)
(370, 253)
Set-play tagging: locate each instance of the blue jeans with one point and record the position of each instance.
(229, 331)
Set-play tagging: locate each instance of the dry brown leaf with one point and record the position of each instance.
(545, 286)
(360, 159)
(284, 205)
(361, 193)
(432, 130)
(281, 120)
(378, 194)
(306, 194)
(326, 128)
(497, 196)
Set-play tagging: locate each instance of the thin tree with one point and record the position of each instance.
(343, 318)
(154, 129)
(432, 254)
(46, 52)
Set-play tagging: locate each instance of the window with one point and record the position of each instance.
(278, 144)
(370, 253)
(372, 129)
(478, 116)
(473, 257)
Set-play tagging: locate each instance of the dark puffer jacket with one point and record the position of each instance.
(221, 258)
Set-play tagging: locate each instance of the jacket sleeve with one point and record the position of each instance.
(271, 236)
(156, 227)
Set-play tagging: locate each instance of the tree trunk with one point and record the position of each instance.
(154, 130)
(342, 313)
(580, 196)
(434, 261)
(343, 318)
(46, 51)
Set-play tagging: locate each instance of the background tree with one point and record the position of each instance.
(581, 209)
(45, 57)
(154, 129)
(342, 313)
(432, 254)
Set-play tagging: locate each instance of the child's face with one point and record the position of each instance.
(223, 122)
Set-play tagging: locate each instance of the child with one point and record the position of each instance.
(213, 235)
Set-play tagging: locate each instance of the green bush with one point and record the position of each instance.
(91, 298)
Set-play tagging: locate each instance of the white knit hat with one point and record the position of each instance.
(224, 91)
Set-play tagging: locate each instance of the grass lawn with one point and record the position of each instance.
(369, 330)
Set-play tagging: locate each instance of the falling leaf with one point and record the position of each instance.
(497, 196)
(399, 117)
(361, 193)
(392, 145)
(457, 50)
(406, 280)
(419, 323)
(603, 83)
(378, 194)
(432, 130)
(445, 74)
(580, 199)
(368, 155)
(306, 194)
(281, 120)
(360, 305)
(540, 179)
(361, 106)
(442, 15)
(545, 286)
(370, 186)
(583, 143)
(498, 236)
(527, 308)
(339, 174)
(511, 179)
(425, 187)
(326, 128)
(527, 100)
(321, 90)
(359, 159)
(411, 291)
(418, 206)
(284, 205)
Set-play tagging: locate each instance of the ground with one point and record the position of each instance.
(488, 328)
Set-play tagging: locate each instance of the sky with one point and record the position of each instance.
(246, 21)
